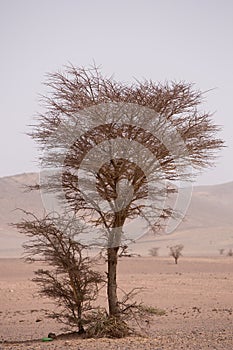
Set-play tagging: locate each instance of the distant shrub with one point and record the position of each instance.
(175, 251)
(230, 252)
(154, 251)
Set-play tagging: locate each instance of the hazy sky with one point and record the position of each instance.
(189, 40)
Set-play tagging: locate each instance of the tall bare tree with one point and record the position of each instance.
(113, 147)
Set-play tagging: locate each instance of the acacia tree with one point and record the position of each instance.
(175, 251)
(143, 135)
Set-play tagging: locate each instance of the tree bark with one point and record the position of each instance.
(112, 283)
(80, 321)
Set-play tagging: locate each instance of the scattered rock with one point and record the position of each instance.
(52, 335)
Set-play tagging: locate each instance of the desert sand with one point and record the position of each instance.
(196, 294)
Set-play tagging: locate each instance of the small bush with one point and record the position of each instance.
(102, 325)
(221, 251)
(230, 253)
(154, 251)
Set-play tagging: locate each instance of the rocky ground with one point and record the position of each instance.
(196, 295)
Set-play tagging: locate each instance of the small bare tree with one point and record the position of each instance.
(175, 251)
(70, 280)
(230, 252)
(221, 251)
(154, 251)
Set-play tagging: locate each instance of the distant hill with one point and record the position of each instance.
(210, 206)
(206, 228)
(14, 195)
(208, 225)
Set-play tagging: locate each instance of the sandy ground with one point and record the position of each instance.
(197, 295)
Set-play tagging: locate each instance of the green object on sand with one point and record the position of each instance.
(47, 339)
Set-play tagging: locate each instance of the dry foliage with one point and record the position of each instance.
(101, 325)
(69, 279)
(121, 182)
(78, 89)
(133, 318)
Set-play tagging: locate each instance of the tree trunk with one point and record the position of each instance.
(80, 321)
(112, 284)
(114, 242)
